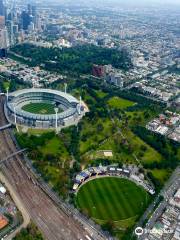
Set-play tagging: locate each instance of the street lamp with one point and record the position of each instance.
(56, 111)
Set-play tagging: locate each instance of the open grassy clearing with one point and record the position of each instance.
(6, 85)
(161, 174)
(93, 133)
(120, 103)
(38, 132)
(54, 146)
(124, 153)
(101, 94)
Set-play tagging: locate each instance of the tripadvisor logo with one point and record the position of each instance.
(139, 231)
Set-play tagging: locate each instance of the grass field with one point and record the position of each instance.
(6, 85)
(161, 174)
(40, 108)
(112, 199)
(119, 103)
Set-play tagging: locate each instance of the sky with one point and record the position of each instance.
(130, 2)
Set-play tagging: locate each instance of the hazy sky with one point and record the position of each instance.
(132, 3)
(143, 2)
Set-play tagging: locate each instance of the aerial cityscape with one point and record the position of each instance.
(89, 120)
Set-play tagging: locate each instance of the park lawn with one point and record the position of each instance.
(161, 174)
(101, 94)
(37, 132)
(150, 155)
(93, 135)
(6, 84)
(112, 199)
(119, 103)
(55, 146)
(55, 174)
(139, 117)
(122, 154)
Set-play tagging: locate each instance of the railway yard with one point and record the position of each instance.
(53, 222)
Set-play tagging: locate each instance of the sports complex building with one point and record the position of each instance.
(43, 108)
(95, 172)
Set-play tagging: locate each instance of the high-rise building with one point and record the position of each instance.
(4, 42)
(4, 39)
(26, 20)
(2, 22)
(34, 11)
(1, 8)
(10, 25)
(29, 9)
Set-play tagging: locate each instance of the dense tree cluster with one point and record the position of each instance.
(76, 60)
(168, 148)
(30, 233)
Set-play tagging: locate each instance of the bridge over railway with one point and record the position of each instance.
(12, 155)
(5, 126)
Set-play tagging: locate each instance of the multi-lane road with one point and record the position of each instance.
(167, 192)
(53, 222)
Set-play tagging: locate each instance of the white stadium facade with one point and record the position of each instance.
(72, 110)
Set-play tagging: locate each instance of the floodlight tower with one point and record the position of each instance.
(80, 104)
(65, 87)
(56, 111)
(15, 117)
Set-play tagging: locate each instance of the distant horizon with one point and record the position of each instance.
(128, 2)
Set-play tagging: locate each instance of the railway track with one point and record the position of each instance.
(52, 221)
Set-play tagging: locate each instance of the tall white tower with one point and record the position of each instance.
(4, 40)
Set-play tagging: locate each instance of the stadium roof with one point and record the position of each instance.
(68, 113)
(67, 96)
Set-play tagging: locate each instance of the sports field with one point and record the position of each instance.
(40, 108)
(112, 198)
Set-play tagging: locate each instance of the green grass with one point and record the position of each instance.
(112, 199)
(54, 146)
(6, 85)
(101, 94)
(123, 154)
(149, 155)
(161, 174)
(93, 134)
(40, 108)
(37, 132)
(119, 103)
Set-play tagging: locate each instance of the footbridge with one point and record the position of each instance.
(12, 155)
(5, 126)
